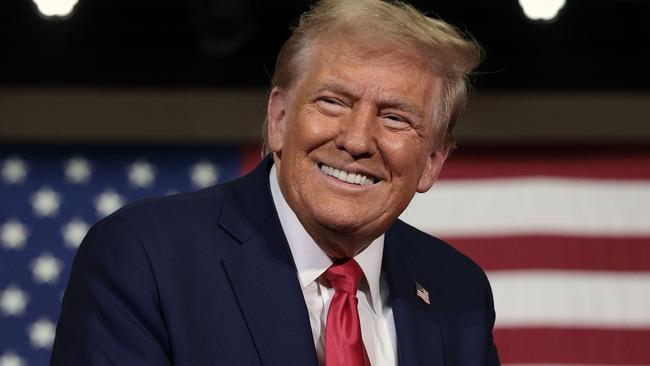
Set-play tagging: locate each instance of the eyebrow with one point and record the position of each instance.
(383, 103)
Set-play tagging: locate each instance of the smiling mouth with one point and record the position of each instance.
(348, 177)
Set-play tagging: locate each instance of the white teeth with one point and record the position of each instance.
(353, 178)
(343, 175)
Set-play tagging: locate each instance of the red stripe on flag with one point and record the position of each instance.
(573, 346)
(621, 165)
(557, 252)
(251, 156)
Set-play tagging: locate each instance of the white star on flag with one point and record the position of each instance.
(49, 199)
(46, 268)
(141, 174)
(204, 174)
(10, 358)
(74, 231)
(13, 234)
(41, 333)
(108, 202)
(46, 202)
(13, 301)
(14, 170)
(77, 170)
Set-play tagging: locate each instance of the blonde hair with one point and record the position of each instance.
(451, 54)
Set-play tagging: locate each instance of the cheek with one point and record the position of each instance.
(311, 129)
(403, 155)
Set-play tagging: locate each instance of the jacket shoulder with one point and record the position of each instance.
(176, 208)
(173, 228)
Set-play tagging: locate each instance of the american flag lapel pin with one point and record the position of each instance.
(422, 293)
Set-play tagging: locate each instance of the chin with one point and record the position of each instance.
(342, 227)
(345, 238)
(337, 220)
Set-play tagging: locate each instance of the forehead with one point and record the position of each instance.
(371, 69)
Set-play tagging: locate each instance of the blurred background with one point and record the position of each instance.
(104, 102)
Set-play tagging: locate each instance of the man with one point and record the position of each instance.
(303, 261)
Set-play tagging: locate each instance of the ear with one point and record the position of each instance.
(276, 113)
(434, 164)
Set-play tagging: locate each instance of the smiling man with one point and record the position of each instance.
(366, 112)
(303, 261)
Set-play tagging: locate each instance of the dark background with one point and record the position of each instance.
(593, 45)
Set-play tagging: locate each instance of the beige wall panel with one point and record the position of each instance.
(204, 115)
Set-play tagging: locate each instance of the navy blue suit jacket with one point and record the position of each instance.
(207, 278)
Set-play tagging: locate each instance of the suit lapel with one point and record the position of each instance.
(263, 276)
(419, 340)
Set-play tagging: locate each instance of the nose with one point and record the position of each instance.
(357, 131)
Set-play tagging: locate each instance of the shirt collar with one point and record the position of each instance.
(311, 261)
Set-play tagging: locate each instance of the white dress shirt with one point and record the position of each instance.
(375, 312)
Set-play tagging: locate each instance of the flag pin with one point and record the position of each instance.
(422, 293)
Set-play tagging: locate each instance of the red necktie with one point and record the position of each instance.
(343, 343)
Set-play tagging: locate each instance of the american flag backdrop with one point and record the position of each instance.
(564, 235)
(49, 196)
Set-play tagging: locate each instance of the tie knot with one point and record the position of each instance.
(344, 276)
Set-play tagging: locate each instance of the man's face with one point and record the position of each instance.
(354, 140)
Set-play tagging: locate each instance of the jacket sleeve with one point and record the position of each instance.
(111, 313)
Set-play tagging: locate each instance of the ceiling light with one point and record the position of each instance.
(51, 9)
(542, 10)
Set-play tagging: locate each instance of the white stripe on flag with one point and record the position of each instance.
(480, 207)
(528, 298)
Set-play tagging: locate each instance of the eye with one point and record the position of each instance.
(332, 101)
(330, 105)
(396, 120)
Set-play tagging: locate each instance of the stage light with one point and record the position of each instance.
(55, 9)
(544, 10)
